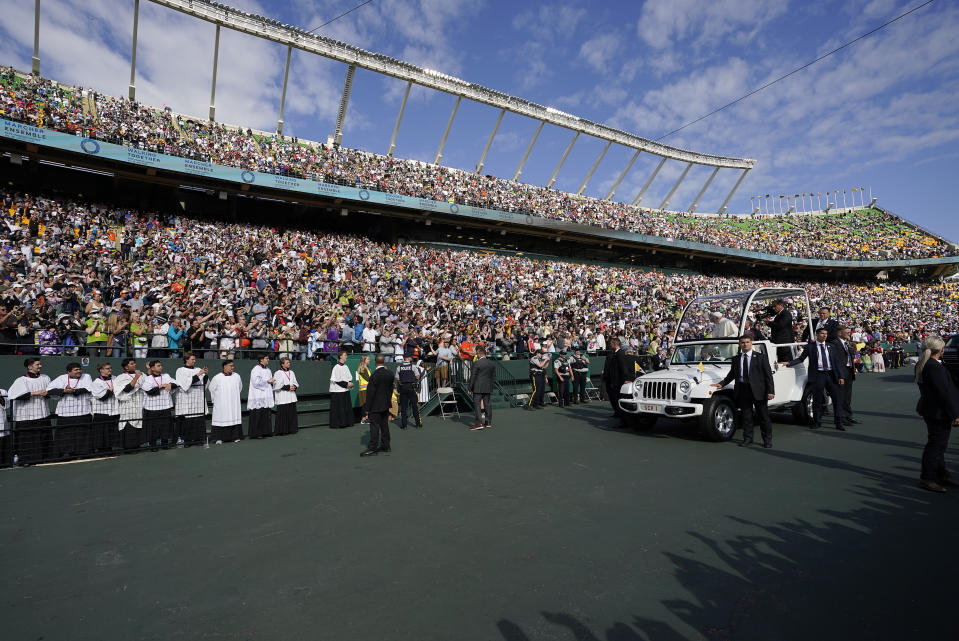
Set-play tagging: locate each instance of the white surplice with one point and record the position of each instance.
(30, 408)
(261, 391)
(130, 401)
(104, 395)
(73, 404)
(225, 392)
(282, 378)
(190, 399)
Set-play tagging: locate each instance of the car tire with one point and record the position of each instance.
(718, 421)
(802, 411)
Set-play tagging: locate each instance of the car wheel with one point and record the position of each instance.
(718, 421)
(802, 411)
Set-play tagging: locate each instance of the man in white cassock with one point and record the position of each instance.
(284, 387)
(225, 390)
(73, 436)
(260, 400)
(190, 402)
(128, 387)
(106, 409)
(158, 405)
(33, 436)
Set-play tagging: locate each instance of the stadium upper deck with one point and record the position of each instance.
(871, 236)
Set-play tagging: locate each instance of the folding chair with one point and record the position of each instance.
(592, 392)
(448, 404)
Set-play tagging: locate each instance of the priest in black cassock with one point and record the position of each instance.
(341, 405)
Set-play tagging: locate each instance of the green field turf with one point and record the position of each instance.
(550, 525)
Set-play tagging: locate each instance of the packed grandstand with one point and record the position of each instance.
(136, 282)
(859, 234)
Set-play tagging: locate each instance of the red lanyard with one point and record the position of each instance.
(155, 379)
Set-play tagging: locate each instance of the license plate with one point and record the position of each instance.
(649, 407)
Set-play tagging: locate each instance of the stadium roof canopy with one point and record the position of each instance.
(353, 57)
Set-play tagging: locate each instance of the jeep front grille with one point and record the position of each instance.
(659, 390)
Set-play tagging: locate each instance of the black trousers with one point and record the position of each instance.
(612, 395)
(482, 399)
(846, 393)
(408, 395)
(579, 386)
(379, 430)
(753, 409)
(822, 385)
(934, 454)
(539, 388)
(562, 391)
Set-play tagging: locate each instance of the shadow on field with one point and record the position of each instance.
(796, 580)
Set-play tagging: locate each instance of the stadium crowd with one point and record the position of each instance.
(86, 278)
(867, 234)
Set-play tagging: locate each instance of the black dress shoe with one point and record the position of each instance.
(369, 453)
(768, 446)
(815, 426)
(840, 428)
(853, 421)
(745, 443)
(932, 486)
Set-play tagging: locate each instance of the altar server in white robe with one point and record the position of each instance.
(424, 392)
(73, 436)
(33, 434)
(158, 405)
(225, 390)
(285, 386)
(260, 400)
(128, 387)
(6, 436)
(341, 405)
(106, 409)
(190, 402)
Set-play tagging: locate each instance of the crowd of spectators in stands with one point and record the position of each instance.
(85, 278)
(867, 234)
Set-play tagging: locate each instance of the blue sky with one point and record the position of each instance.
(882, 114)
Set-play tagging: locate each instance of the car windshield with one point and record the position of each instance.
(713, 317)
(705, 353)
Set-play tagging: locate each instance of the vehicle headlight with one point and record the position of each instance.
(685, 386)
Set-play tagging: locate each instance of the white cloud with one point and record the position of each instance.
(599, 51)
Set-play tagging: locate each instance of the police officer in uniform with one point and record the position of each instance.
(537, 376)
(408, 377)
(580, 367)
(563, 375)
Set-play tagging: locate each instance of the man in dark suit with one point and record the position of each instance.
(481, 386)
(617, 370)
(753, 389)
(847, 353)
(781, 328)
(379, 395)
(825, 375)
(939, 407)
(823, 320)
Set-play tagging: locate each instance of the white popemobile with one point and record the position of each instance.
(702, 355)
